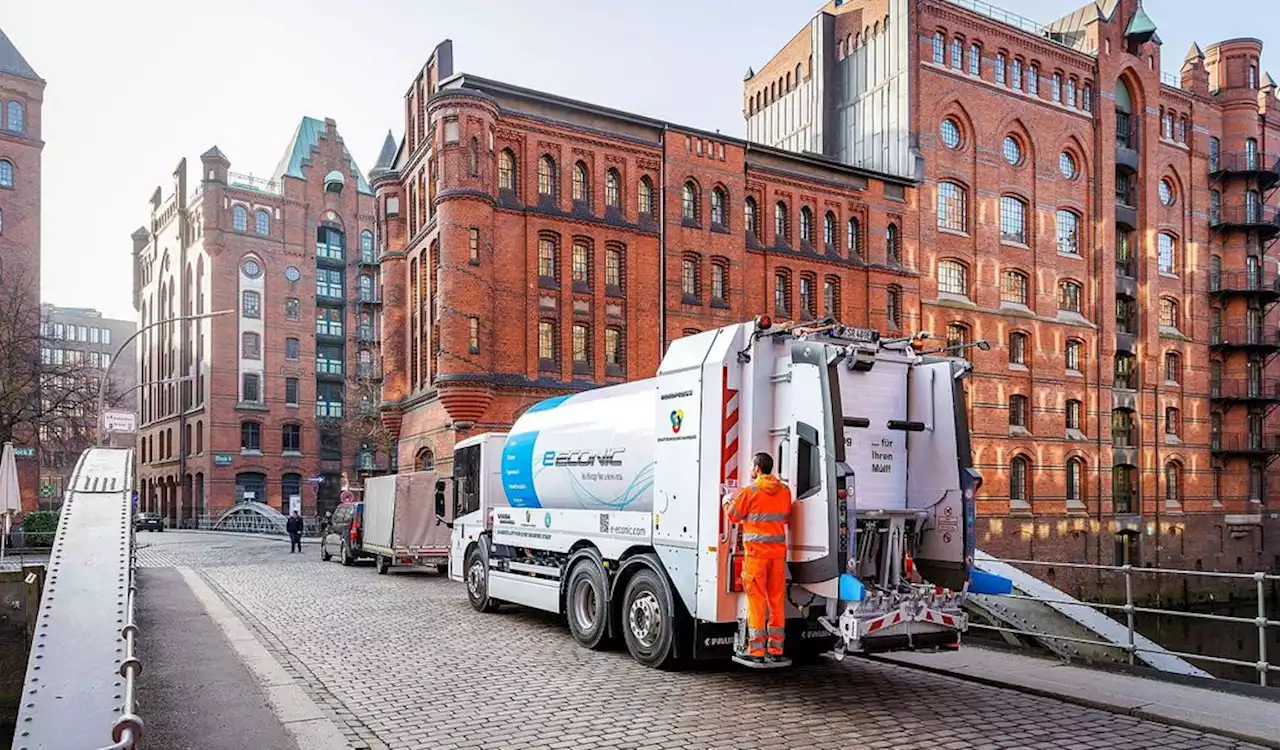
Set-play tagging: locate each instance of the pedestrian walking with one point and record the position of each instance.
(294, 527)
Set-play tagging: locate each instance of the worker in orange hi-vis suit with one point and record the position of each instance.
(763, 508)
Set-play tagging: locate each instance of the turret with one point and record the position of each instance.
(385, 180)
(214, 166)
(1194, 75)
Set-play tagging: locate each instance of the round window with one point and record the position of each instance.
(1166, 192)
(950, 133)
(251, 268)
(1012, 150)
(1067, 165)
(292, 274)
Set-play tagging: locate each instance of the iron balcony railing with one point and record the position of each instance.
(326, 366)
(1244, 389)
(1170, 79)
(1264, 621)
(1256, 280)
(1244, 216)
(260, 184)
(1244, 335)
(1124, 502)
(1127, 128)
(1266, 166)
(1245, 442)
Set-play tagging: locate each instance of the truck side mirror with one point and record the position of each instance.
(440, 519)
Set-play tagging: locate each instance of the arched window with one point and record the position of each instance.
(612, 188)
(952, 213)
(473, 157)
(1167, 253)
(829, 231)
(16, 116)
(6, 173)
(689, 201)
(892, 244)
(780, 222)
(1075, 481)
(718, 204)
(366, 288)
(547, 176)
(690, 283)
(1013, 220)
(1168, 312)
(853, 237)
(1014, 288)
(1072, 413)
(1251, 153)
(806, 225)
(239, 218)
(262, 222)
(1172, 482)
(1252, 207)
(646, 203)
(893, 305)
(953, 278)
(957, 53)
(506, 170)
(366, 244)
(250, 345)
(782, 292)
(581, 185)
(1069, 296)
(939, 47)
(1019, 475)
(751, 217)
(424, 460)
(1019, 413)
(1017, 348)
(250, 436)
(1068, 231)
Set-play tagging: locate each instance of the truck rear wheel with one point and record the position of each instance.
(587, 604)
(477, 578)
(648, 625)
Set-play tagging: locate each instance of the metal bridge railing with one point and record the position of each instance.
(1262, 621)
(128, 728)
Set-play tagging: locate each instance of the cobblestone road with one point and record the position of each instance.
(403, 662)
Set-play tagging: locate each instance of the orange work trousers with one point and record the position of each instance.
(765, 581)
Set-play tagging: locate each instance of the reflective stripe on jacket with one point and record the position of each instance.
(763, 508)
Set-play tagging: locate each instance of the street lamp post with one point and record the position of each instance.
(102, 386)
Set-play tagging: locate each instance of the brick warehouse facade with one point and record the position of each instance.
(1106, 228)
(537, 245)
(259, 404)
(21, 145)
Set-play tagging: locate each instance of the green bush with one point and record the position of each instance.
(40, 527)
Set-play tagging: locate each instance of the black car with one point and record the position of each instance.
(148, 522)
(344, 536)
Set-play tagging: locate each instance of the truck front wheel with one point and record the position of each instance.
(586, 604)
(477, 577)
(648, 625)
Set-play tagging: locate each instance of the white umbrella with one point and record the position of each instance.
(10, 498)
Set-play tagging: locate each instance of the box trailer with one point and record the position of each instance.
(401, 526)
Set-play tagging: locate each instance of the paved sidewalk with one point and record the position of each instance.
(1255, 720)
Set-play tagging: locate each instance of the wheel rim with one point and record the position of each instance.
(585, 605)
(475, 579)
(645, 619)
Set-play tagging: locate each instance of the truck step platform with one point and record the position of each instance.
(777, 663)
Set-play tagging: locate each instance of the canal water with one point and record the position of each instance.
(1228, 640)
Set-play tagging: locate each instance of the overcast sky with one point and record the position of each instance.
(136, 85)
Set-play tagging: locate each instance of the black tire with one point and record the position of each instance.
(476, 576)
(383, 563)
(347, 559)
(325, 554)
(648, 624)
(586, 604)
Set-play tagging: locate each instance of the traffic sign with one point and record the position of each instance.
(348, 496)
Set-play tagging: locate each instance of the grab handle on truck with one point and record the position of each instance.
(904, 425)
(857, 422)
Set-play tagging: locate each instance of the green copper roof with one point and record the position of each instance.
(1141, 24)
(306, 139)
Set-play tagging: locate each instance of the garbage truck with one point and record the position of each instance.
(606, 506)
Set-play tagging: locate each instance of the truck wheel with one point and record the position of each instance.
(384, 564)
(477, 576)
(587, 604)
(647, 625)
(347, 559)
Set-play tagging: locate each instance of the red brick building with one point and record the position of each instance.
(21, 97)
(536, 245)
(257, 404)
(1106, 226)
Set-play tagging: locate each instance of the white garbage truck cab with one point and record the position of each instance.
(606, 505)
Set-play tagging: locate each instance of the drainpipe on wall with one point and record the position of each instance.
(662, 247)
(1098, 307)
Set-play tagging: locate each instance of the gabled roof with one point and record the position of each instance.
(12, 62)
(306, 139)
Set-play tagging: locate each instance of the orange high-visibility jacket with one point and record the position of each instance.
(763, 508)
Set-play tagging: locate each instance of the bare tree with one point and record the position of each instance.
(43, 388)
(363, 421)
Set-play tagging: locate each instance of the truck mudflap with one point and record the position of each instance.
(923, 617)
